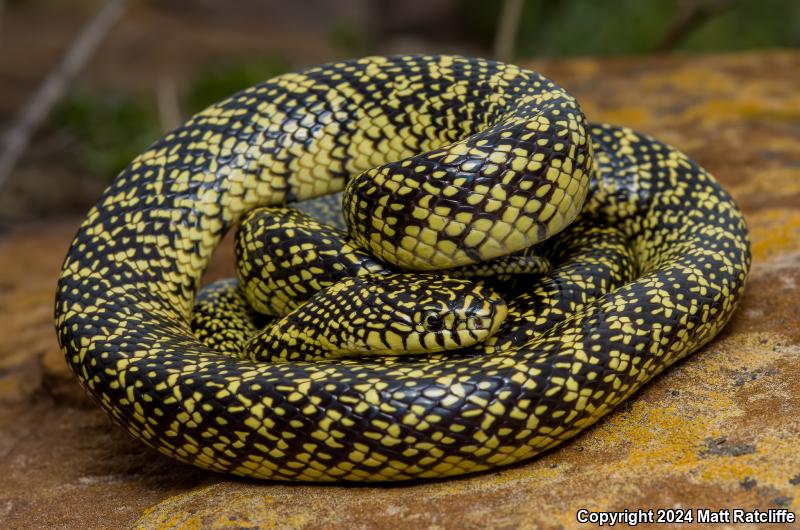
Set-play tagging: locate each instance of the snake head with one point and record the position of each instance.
(398, 314)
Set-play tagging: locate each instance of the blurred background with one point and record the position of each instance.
(85, 85)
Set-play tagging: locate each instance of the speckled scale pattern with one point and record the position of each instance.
(223, 320)
(592, 259)
(520, 177)
(382, 314)
(284, 256)
(124, 299)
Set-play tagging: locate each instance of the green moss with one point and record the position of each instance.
(108, 130)
(626, 27)
(350, 39)
(748, 25)
(218, 81)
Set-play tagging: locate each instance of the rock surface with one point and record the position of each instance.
(718, 430)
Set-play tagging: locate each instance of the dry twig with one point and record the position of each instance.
(169, 109)
(18, 135)
(693, 14)
(507, 28)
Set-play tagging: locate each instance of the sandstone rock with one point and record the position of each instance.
(718, 430)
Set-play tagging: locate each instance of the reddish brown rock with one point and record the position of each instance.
(718, 430)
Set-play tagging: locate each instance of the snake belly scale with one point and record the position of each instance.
(650, 270)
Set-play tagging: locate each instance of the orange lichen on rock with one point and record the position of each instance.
(776, 233)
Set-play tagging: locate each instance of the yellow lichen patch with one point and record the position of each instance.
(774, 232)
(632, 116)
(716, 112)
(691, 80)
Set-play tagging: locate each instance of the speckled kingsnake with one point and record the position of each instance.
(474, 159)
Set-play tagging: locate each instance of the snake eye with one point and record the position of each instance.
(433, 322)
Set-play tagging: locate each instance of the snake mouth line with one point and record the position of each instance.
(476, 324)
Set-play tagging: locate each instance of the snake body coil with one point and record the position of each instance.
(448, 161)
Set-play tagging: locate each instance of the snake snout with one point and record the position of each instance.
(445, 314)
(480, 316)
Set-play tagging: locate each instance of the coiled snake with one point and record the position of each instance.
(448, 161)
